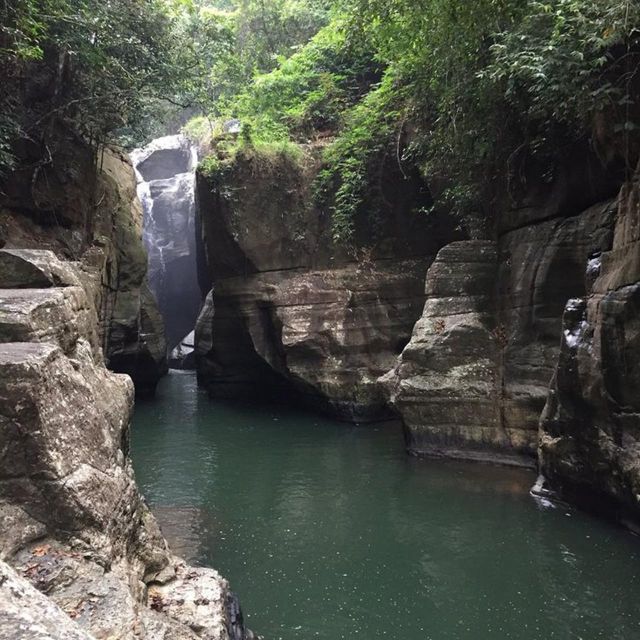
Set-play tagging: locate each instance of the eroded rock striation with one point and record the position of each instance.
(590, 428)
(292, 316)
(72, 522)
(474, 379)
(446, 384)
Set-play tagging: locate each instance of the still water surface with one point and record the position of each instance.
(330, 531)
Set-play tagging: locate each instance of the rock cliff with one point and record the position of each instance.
(88, 213)
(552, 301)
(474, 378)
(72, 522)
(590, 428)
(291, 316)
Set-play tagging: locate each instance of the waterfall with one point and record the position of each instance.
(165, 170)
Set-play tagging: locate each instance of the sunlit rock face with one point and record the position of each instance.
(72, 521)
(166, 175)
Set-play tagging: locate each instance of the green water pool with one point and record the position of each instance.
(331, 531)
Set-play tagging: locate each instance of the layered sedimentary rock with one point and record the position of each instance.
(166, 173)
(590, 429)
(542, 265)
(292, 316)
(320, 336)
(104, 242)
(474, 379)
(446, 385)
(72, 522)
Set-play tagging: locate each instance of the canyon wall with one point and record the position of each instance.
(590, 428)
(474, 378)
(72, 522)
(85, 210)
(292, 317)
(464, 356)
(81, 555)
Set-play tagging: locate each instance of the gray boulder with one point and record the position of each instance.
(27, 613)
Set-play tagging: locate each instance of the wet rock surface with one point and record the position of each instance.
(590, 428)
(166, 187)
(542, 265)
(134, 330)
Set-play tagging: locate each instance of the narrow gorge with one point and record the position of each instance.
(73, 523)
(319, 320)
(459, 338)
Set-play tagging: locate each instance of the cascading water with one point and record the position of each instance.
(166, 187)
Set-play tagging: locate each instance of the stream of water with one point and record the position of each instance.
(330, 531)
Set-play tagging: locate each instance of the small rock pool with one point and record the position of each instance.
(330, 531)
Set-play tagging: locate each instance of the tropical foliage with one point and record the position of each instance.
(462, 91)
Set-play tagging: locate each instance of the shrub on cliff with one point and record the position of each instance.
(477, 87)
(464, 91)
